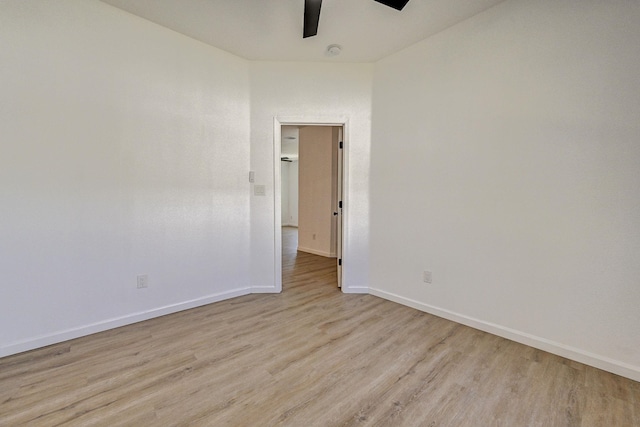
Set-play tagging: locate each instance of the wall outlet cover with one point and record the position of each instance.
(143, 281)
(426, 276)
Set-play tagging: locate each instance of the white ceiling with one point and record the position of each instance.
(272, 29)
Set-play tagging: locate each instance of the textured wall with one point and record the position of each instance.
(124, 150)
(505, 159)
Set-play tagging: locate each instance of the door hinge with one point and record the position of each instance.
(340, 261)
(340, 204)
(341, 145)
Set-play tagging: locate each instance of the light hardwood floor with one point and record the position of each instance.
(311, 356)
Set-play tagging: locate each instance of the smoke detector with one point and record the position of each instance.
(334, 50)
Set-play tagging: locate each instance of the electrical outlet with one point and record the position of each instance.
(426, 276)
(143, 281)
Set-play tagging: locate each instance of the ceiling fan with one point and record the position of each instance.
(312, 14)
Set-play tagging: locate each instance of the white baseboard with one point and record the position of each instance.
(80, 331)
(264, 290)
(591, 359)
(316, 252)
(355, 289)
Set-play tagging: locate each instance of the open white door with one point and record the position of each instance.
(339, 207)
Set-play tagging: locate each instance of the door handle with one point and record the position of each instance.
(335, 213)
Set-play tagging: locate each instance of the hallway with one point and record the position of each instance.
(304, 269)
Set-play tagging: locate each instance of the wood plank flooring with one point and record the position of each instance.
(311, 356)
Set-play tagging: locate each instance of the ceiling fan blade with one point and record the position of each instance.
(311, 17)
(396, 4)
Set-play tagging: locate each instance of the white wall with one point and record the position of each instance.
(293, 193)
(311, 90)
(284, 191)
(289, 193)
(124, 150)
(505, 158)
(289, 179)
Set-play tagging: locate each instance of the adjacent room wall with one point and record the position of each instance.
(284, 191)
(505, 159)
(317, 182)
(289, 178)
(301, 91)
(293, 193)
(289, 191)
(124, 151)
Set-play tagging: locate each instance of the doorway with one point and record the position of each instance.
(330, 216)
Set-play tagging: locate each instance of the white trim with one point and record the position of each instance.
(317, 252)
(591, 359)
(277, 203)
(305, 120)
(264, 290)
(81, 331)
(356, 290)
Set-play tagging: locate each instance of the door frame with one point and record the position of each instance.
(278, 122)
